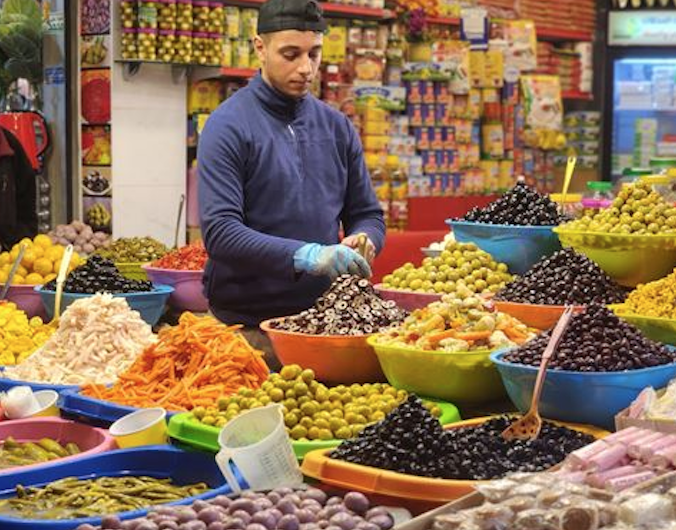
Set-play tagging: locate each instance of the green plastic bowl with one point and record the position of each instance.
(191, 433)
(655, 328)
(629, 259)
(463, 377)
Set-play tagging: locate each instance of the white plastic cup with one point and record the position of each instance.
(257, 442)
(20, 402)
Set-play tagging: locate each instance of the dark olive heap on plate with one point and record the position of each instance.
(409, 440)
(350, 307)
(566, 277)
(279, 509)
(596, 341)
(99, 275)
(522, 205)
(96, 182)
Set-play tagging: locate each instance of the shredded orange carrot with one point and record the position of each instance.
(198, 360)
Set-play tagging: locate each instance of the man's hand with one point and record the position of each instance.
(331, 261)
(354, 241)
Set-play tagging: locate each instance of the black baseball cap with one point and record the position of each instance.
(280, 15)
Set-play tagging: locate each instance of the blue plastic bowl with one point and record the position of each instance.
(151, 304)
(593, 398)
(161, 461)
(519, 247)
(92, 411)
(6, 384)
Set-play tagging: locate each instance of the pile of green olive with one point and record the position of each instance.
(311, 410)
(134, 250)
(459, 264)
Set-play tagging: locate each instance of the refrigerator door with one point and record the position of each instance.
(643, 113)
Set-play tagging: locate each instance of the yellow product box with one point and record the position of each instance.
(491, 171)
(375, 114)
(494, 69)
(506, 179)
(375, 142)
(477, 68)
(376, 127)
(204, 96)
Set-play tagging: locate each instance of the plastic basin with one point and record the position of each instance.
(409, 300)
(534, 315)
(93, 411)
(628, 259)
(318, 465)
(519, 247)
(26, 299)
(89, 439)
(150, 304)
(334, 359)
(585, 397)
(187, 295)
(133, 271)
(159, 461)
(190, 432)
(655, 328)
(463, 377)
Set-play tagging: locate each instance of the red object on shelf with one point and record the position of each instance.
(586, 96)
(242, 73)
(444, 21)
(558, 34)
(430, 213)
(401, 247)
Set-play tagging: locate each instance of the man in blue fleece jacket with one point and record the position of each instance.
(279, 173)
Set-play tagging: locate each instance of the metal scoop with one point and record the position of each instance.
(528, 427)
(12, 272)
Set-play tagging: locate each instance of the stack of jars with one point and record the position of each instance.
(129, 30)
(183, 47)
(166, 21)
(147, 30)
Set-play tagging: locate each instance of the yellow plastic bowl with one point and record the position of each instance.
(47, 400)
(629, 259)
(655, 328)
(463, 377)
(133, 271)
(142, 427)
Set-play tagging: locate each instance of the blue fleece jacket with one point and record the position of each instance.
(274, 174)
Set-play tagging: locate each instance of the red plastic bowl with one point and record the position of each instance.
(187, 295)
(409, 300)
(27, 299)
(89, 439)
(334, 359)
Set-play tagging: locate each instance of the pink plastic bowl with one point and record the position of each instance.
(89, 439)
(27, 299)
(187, 295)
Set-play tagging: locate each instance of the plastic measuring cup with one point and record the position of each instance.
(257, 442)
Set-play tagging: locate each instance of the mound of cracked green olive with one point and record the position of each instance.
(13, 453)
(134, 250)
(460, 264)
(71, 498)
(311, 410)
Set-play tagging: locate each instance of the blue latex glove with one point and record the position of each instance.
(331, 261)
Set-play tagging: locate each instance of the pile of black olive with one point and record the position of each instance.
(350, 307)
(566, 277)
(596, 341)
(100, 275)
(95, 182)
(409, 440)
(522, 205)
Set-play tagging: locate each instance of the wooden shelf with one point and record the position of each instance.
(238, 73)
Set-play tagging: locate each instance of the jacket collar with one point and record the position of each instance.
(273, 100)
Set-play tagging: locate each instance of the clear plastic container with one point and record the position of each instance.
(128, 14)
(166, 15)
(166, 42)
(129, 46)
(571, 204)
(200, 16)
(147, 44)
(183, 47)
(598, 195)
(200, 48)
(665, 185)
(184, 15)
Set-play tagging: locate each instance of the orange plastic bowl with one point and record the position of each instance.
(409, 300)
(318, 465)
(334, 359)
(534, 315)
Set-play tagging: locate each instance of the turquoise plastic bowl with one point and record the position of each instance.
(151, 304)
(593, 398)
(519, 247)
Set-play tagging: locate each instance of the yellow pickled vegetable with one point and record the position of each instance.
(654, 299)
(19, 335)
